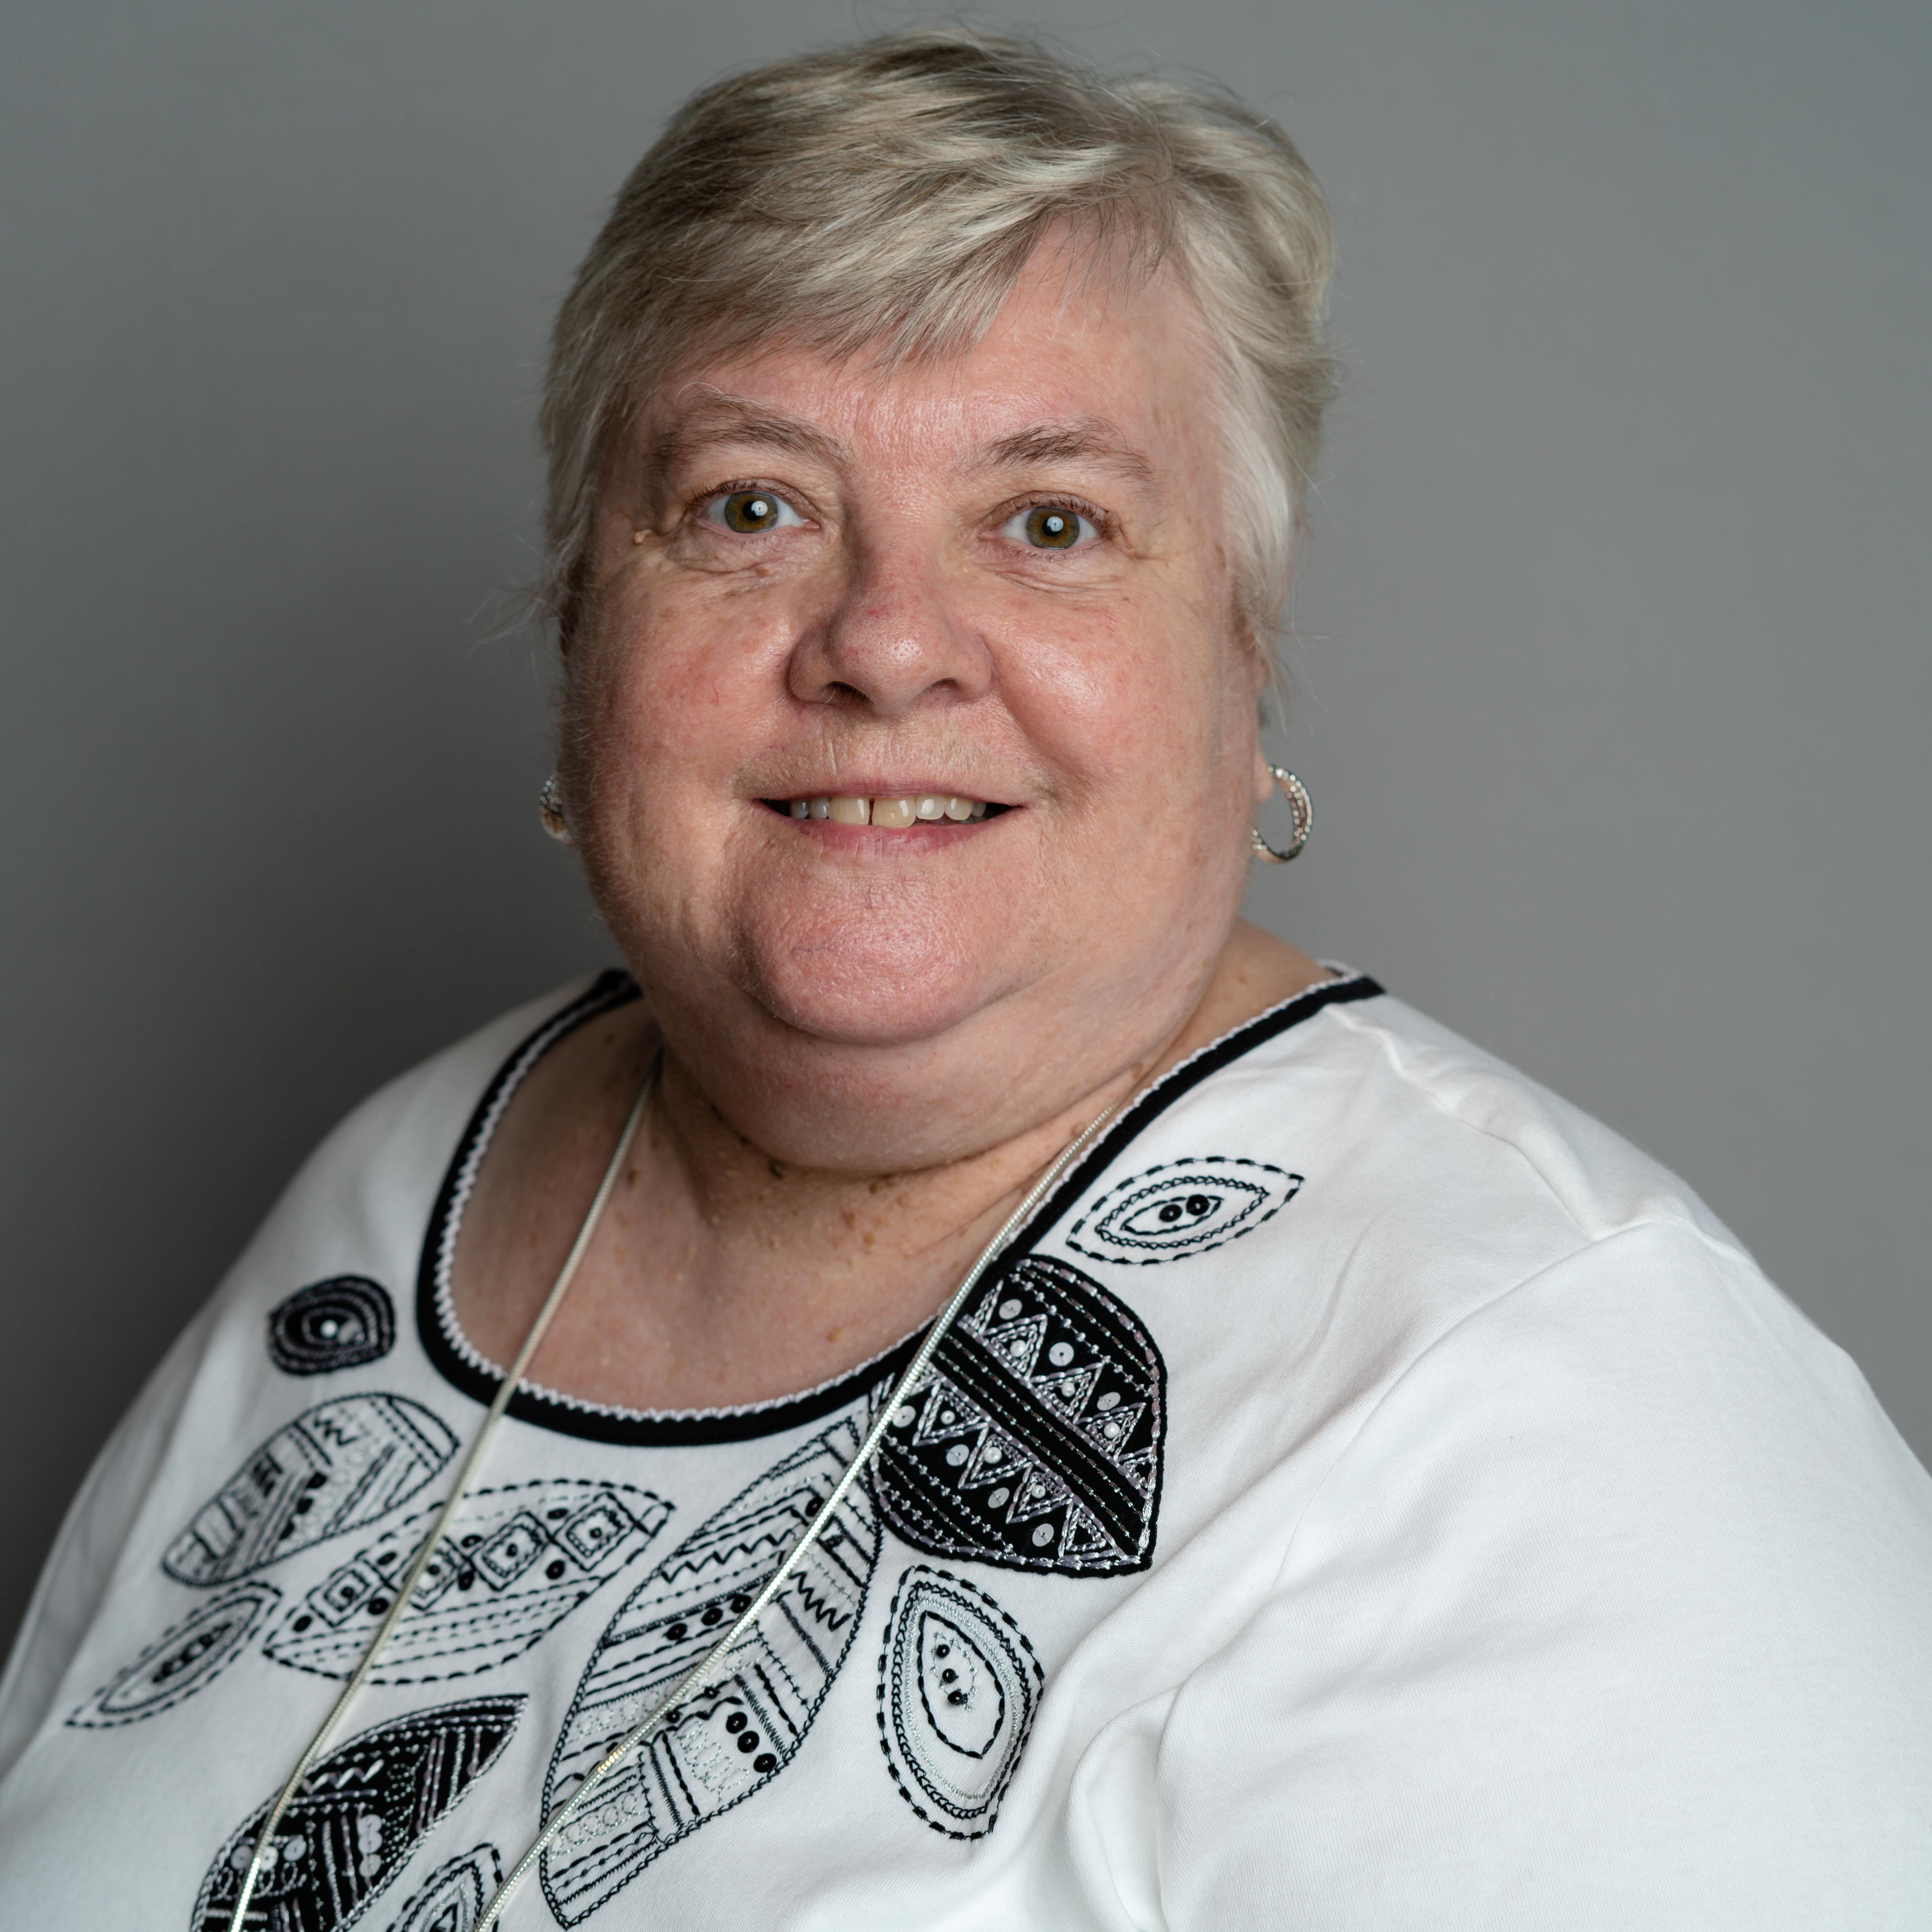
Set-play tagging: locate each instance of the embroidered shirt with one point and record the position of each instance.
(1371, 1495)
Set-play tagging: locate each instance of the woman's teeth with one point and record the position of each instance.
(895, 814)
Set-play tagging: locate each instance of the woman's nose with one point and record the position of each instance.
(892, 641)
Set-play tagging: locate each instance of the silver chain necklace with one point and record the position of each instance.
(700, 1674)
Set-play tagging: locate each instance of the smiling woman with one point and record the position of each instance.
(1042, 1354)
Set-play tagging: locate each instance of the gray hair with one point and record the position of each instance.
(887, 195)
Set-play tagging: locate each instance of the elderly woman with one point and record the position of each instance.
(1025, 1401)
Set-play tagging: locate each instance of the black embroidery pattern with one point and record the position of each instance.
(959, 1684)
(338, 1323)
(334, 1467)
(356, 1819)
(1034, 1439)
(454, 1899)
(718, 1750)
(516, 1562)
(186, 1659)
(1182, 1207)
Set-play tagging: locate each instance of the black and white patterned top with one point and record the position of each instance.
(1371, 1495)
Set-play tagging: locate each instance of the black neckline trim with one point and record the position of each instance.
(465, 1370)
(1176, 1082)
(637, 1428)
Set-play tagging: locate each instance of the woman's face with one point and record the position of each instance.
(1001, 578)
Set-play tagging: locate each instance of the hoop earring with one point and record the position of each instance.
(550, 812)
(1296, 793)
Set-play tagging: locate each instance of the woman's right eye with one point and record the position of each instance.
(751, 512)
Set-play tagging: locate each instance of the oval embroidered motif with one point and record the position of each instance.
(339, 1324)
(516, 1562)
(1181, 1208)
(190, 1655)
(336, 1467)
(1033, 1440)
(733, 1738)
(355, 1820)
(959, 1684)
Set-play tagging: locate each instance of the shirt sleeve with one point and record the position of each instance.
(76, 1576)
(1617, 1612)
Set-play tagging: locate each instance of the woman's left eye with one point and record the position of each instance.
(1049, 526)
(751, 512)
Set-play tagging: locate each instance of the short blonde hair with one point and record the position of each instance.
(886, 196)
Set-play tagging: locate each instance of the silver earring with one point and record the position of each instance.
(549, 809)
(1296, 793)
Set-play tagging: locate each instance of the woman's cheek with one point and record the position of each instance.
(1109, 701)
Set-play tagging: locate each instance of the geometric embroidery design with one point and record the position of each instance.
(336, 1467)
(188, 1657)
(356, 1818)
(515, 1563)
(728, 1741)
(1183, 1208)
(338, 1323)
(454, 1899)
(958, 1686)
(1033, 1440)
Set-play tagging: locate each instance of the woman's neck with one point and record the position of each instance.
(720, 1275)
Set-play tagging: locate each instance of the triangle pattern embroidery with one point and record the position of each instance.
(356, 1819)
(1034, 1439)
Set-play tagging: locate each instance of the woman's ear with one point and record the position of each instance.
(1264, 786)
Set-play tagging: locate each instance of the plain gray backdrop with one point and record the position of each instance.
(1615, 693)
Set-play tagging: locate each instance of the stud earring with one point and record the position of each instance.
(1296, 793)
(549, 810)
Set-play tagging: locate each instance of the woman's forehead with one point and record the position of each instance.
(1107, 372)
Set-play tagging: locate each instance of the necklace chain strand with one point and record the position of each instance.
(695, 1678)
(505, 1389)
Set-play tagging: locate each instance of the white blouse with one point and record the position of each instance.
(1372, 1495)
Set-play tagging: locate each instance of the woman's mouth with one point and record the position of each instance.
(895, 814)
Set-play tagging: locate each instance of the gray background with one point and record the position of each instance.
(1615, 697)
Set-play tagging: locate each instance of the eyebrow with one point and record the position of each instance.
(719, 417)
(1073, 439)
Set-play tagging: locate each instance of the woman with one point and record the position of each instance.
(1361, 1491)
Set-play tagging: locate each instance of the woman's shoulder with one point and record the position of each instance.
(1369, 1185)
(423, 1101)
(382, 1166)
(1467, 1101)
(1476, 1306)
(326, 1284)
(1401, 1119)
(1382, 1115)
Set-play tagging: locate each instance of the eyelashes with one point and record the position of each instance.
(749, 510)
(1056, 525)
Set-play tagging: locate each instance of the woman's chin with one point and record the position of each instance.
(872, 996)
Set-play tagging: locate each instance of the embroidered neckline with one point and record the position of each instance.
(457, 1359)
